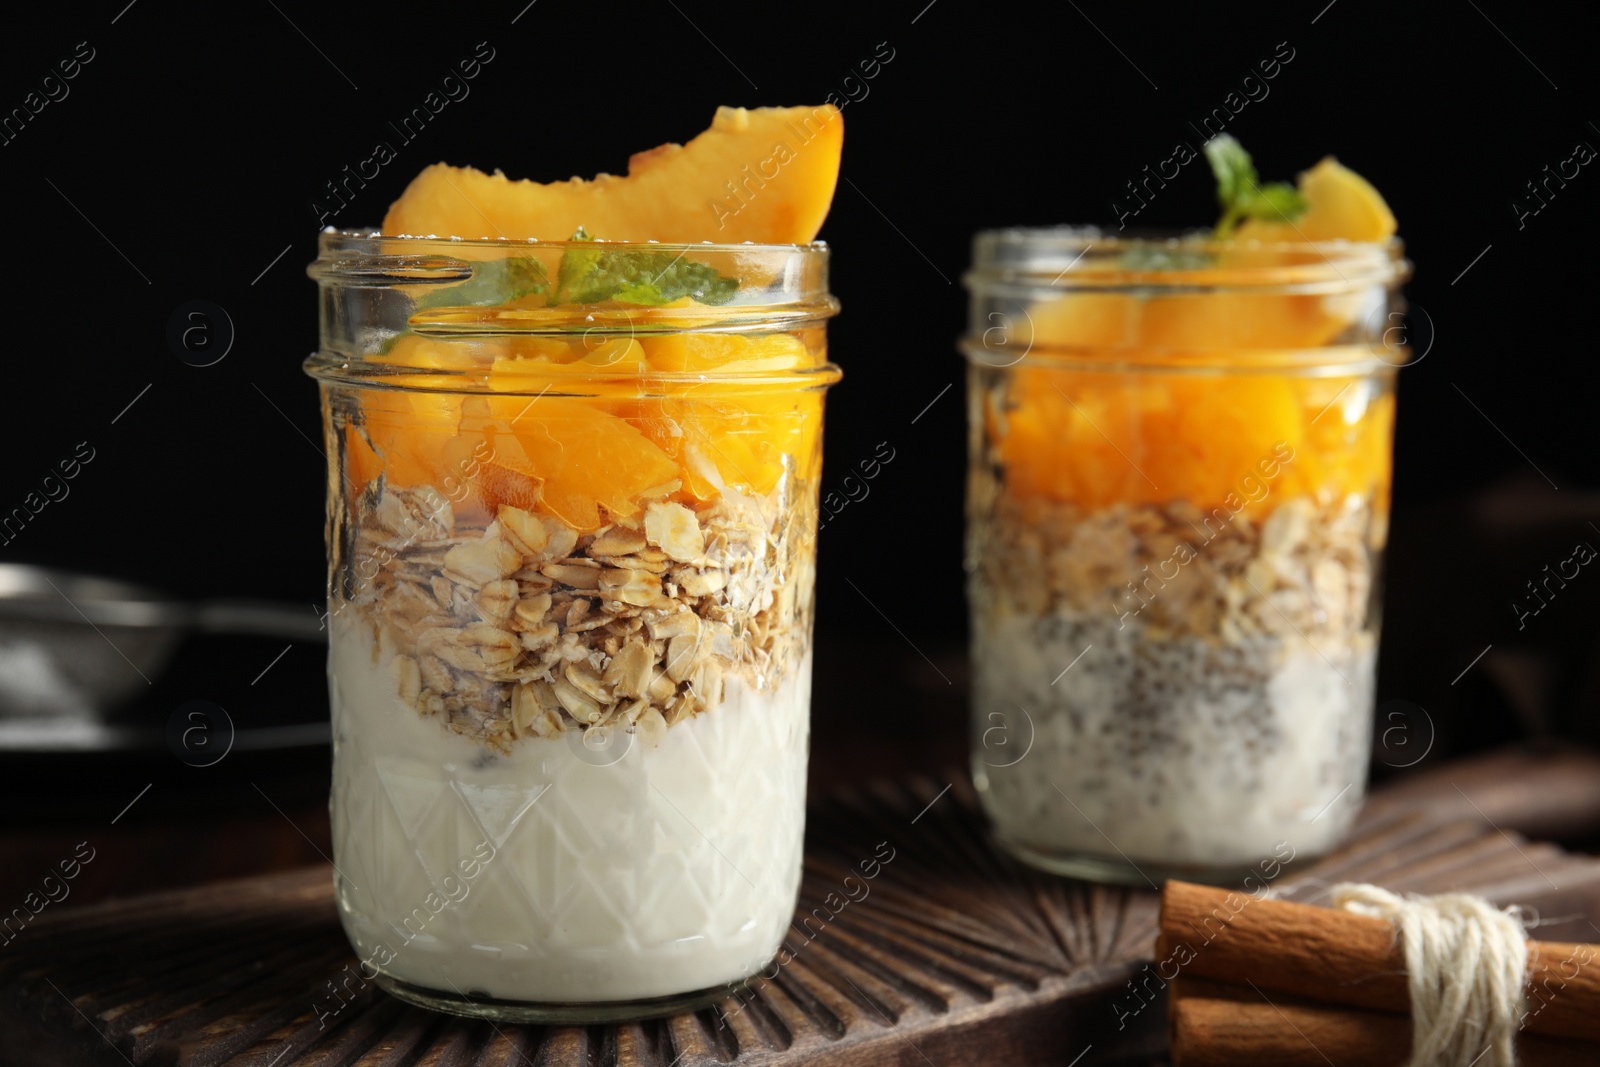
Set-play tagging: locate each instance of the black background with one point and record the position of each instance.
(185, 162)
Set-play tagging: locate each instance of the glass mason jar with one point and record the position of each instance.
(1177, 505)
(572, 506)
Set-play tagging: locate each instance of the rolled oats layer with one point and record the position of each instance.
(1305, 570)
(524, 627)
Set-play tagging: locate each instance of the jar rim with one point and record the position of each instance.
(656, 385)
(480, 298)
(789, 281)
(1066, 258)
(1344, 361)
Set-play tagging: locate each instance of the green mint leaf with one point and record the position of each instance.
(577, 266)
(592, 275)
(1235, 173)
(1276, 202)
(1240, 192)
(494, 281)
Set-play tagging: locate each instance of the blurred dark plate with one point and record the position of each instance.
(262, 723)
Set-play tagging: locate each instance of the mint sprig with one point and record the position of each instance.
(1240, 191)
(592, 275)
(585, 276)
(493, 281)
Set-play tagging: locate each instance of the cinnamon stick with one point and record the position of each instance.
(1234, 1033)
(1336, 957)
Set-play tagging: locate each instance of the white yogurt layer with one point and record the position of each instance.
(1172, 751)
(560, 874)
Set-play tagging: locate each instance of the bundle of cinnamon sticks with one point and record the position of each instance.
(1259, 981)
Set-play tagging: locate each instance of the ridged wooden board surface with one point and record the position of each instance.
(956, 954)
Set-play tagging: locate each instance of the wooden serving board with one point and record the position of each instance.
(957, 954)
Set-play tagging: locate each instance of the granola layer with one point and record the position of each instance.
(524, 627)
(1306, 569)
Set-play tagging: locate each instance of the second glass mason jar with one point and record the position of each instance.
(571, 525)
(1177, 505)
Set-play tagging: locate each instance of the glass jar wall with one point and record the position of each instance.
(571, 527)
(1177, 504)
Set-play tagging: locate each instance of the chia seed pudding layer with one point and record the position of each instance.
(1154, 685)
(1174, 750)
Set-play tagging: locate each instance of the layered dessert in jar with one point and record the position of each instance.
(572, 520)
(1177, 507)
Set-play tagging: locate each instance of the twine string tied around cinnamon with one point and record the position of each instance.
(1465, 965)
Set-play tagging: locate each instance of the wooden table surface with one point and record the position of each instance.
(957, 955)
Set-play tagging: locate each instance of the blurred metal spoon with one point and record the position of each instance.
(74, 645)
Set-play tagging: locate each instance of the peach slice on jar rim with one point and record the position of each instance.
(765, 175)
(1341, 205)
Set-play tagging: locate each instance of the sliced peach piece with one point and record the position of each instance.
(408, 429)
(470, 471)
(1101, 437)
(1205, 322)
(765, 175)
(1341, 205)
(725, 353)
(1191, 438)
(578, 357)
(578, 457)
(747, 440)
(424, 353)
(361, 463)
